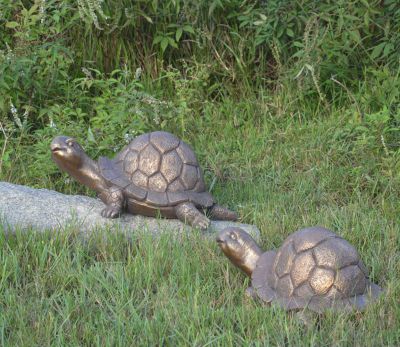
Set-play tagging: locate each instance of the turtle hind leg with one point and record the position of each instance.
(188, 213)
(222, 213)
(114, 200)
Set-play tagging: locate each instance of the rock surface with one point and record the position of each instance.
(22, 208)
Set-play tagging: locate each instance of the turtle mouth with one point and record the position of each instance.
(56, 148)
(220, 241)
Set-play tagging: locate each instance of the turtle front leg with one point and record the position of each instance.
(114, 200)
(188, 213)
(222, 213)
(250, 293)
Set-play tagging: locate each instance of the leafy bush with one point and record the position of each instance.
(74, 66)
(374, 122)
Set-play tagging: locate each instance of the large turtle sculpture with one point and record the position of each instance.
(314, 268)
(155, 174)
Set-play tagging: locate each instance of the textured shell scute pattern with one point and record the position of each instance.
(317, 263)
(160, 162)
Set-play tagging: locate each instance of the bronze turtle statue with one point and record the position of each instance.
(155, 174)
(314, 268)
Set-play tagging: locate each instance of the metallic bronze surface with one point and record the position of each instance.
(155, 174)
(240, 248)
(313, 268)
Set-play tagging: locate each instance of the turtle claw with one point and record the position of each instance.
(189, 214)
(201, 222)
(111, 212)
(250, 293)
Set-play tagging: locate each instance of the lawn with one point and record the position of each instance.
(58, 290)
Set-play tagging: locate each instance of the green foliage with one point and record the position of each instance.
(171, 38)
(92, 69)
(34, 63)
(293, 108)
(97, 106)
(374, 123)
(243, 36)
(312, 40)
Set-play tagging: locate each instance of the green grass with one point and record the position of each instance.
(278, 173)
(59, 291)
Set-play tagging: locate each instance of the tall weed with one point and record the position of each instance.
(102, 70)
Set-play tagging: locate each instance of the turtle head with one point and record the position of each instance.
(67, 153)
(240, 248)
(70, 157)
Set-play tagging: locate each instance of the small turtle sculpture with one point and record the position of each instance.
(155, 174)
(314, 268)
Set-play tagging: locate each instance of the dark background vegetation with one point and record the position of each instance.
(293, 109)
(106, 71)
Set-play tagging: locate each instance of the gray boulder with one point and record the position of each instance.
(23, 208)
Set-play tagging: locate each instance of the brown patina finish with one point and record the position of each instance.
(314, 268)
(155, 174)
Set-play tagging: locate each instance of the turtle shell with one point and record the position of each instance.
(158, 169)
(314, 268)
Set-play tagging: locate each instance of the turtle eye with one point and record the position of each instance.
(70, 143)
(233, 237)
